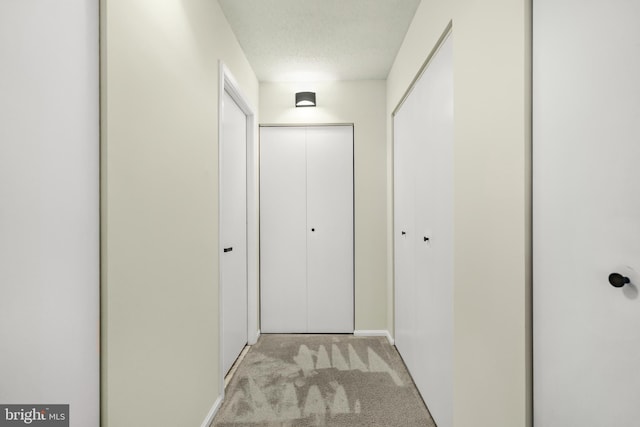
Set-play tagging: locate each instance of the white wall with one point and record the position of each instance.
(492, 260)
(49, 206)
(160, 207)
(363, 104)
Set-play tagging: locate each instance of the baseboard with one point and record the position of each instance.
(212, 412)
(374, 333)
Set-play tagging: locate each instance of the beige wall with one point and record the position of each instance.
(492, 191)
(160, 351)
(363, 104)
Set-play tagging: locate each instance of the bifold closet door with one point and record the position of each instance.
(306, 229)
(423, 228)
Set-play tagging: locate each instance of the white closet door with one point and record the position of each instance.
(233, 231)
(283, 230)
(330, 229)
(306, 229)
(433, 371)
(404, 229)
(423, 199)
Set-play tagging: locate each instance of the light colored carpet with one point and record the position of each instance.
(322, 380)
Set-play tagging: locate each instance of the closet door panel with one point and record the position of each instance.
(434, 220)
(330, 228)
(423, 206)
(283, 237)
(404, 230)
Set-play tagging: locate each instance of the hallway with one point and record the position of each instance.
(491, 231)
(322, 380)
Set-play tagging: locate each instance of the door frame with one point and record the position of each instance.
(229, 84)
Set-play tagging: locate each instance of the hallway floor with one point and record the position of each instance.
(322, 380)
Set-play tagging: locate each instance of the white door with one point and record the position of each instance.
(330, 229)
(586, 212)
(306, 229)
(283, 229)
(50, 209)
(233, 231)
(404, 227)
(423, 171)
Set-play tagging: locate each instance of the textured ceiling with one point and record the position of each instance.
(305, 40)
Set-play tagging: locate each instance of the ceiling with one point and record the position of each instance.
(315, 40)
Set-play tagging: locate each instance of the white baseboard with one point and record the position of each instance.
(212, 412)
(374, 333)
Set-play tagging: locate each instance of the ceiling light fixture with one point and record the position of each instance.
(305, 99)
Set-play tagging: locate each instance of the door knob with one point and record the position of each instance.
(404, 233)
(618, 280)
(313, 229)
(426, 239)
(227, 249)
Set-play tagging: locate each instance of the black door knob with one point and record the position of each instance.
(618, 280)
(313, 229)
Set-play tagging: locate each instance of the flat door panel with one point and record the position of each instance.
(283, 230)
(330, 228)
(434, 221)
(233, 232)
(404, 230)
(586, 212)
(50, 210)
